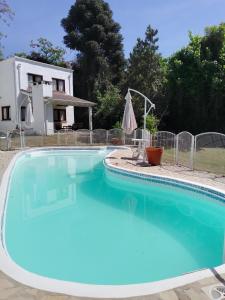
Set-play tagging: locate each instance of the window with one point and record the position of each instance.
(34, 79)
(54, 84)
(59, 115)
(58, 85)
(23, 113)
(6, 116)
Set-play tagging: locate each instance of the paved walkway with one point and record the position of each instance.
(12, 290)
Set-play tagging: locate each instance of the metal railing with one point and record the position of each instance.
(205, 151)
(167, 140)
(184, 149)
(209, 152)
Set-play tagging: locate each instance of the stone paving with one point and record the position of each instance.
(12, 290)
(123, 158)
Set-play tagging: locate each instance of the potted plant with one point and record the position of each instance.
(154, 154)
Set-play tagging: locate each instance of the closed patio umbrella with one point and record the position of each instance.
(29, 114)
(129, 123)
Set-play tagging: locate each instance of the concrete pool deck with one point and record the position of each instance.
(10, 289)
(123, 159)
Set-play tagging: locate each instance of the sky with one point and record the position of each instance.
(172, 18)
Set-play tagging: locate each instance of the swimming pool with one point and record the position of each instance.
(69, 218)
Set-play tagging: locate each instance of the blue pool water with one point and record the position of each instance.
(69, 218)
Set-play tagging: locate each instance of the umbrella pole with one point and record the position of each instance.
(152, 105)
(145, 114)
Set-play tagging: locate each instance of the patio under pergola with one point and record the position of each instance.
(60, 99)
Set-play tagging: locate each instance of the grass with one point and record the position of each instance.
(211, 160)
(205, 159)
(169, 156)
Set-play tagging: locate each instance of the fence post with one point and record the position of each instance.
(42, 139)
(177, 145)
(22, 140)
(123, 137)
(174, 147)
(192, 153)
(75, 138)
(58, 138)
(91, 138)
(8, 140)
(107, 137)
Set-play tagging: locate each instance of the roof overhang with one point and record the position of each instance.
(63, 99)
(59, 98)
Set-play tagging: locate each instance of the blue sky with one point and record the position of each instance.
(173, 19)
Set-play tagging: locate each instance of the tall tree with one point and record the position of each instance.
(92, 32)
(6, 15)
(196, 83)
(44, 51)
(146, 72)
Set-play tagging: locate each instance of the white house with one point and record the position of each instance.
(48, 88)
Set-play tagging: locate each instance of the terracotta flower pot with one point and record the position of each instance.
(154, 155)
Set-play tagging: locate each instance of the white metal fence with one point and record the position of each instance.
(184, 149)
(205, 151)
(209, 152)
(99, 136)
(167, 140)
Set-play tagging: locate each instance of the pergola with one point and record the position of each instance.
(59, 98)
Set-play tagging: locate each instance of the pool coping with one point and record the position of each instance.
(8, 266)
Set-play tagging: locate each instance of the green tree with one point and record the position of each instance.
(92, 32)
(44, 51)
(109, 110)
(146, 72)
(196, 84)
(6, 15)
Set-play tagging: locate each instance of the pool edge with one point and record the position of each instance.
(9, 267)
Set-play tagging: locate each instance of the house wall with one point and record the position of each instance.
(44, 115)
(14, 77)
(7, 93)
(47, 71)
